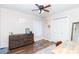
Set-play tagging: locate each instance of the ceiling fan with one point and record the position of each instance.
(42, 8)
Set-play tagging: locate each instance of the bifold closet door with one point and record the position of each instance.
(60, 29)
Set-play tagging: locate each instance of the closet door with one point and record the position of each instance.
(60, 29)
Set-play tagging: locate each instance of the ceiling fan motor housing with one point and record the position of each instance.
(41, 7)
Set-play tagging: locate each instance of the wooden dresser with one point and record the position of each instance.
(18, 40)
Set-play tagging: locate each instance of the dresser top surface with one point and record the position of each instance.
(20, 34)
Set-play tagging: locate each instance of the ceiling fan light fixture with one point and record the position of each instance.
(42, 8)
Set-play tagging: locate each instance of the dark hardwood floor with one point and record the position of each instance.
(30, 49)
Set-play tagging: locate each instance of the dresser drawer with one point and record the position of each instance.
(20, 40)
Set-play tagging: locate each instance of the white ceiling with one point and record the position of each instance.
(63, 7)
(27, 8)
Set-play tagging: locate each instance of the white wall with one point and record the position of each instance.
(16, 22)
(61, 24)
(46, 29)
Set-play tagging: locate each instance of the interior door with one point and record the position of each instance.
(37, 28)
(61, 29)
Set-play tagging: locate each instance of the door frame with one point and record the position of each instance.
(72, 33)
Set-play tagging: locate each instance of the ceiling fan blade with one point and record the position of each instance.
(47, 6)
(37, 5)
(35, 9)
(46, 10)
